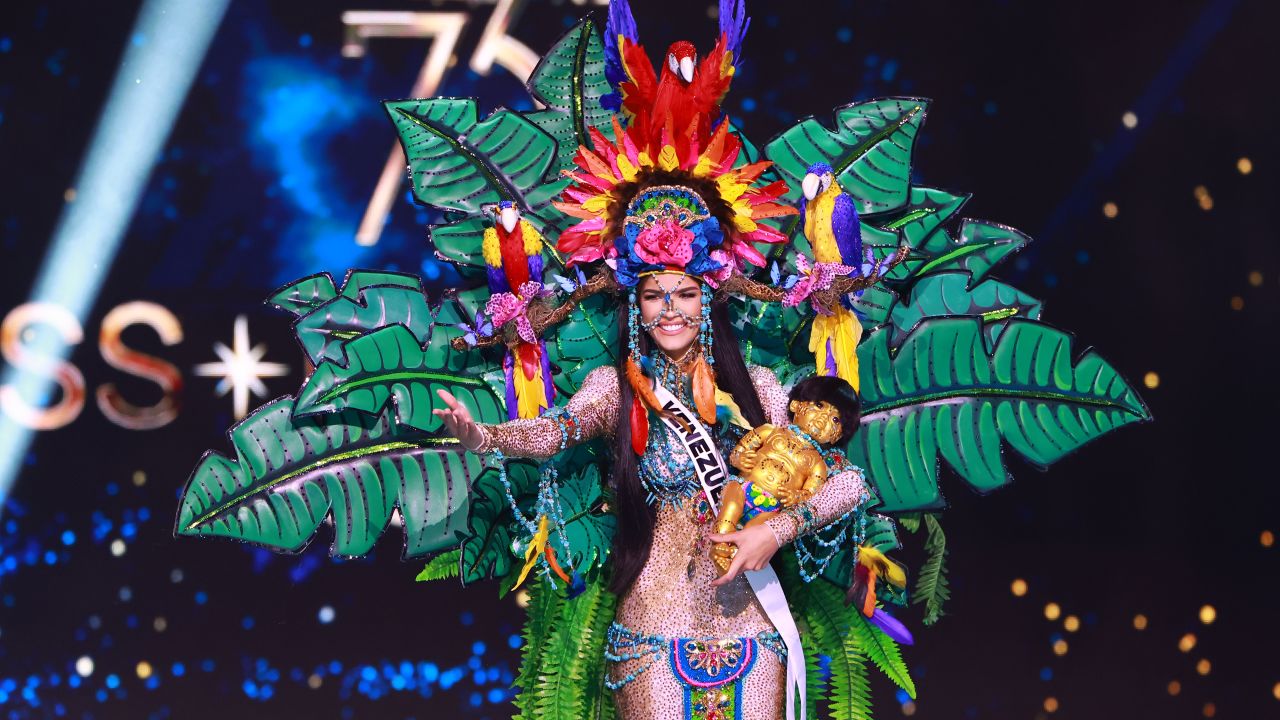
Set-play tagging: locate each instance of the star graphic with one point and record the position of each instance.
(241, 370)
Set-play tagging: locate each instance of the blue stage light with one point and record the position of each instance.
(164, 51)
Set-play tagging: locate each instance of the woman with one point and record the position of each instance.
(686, 641)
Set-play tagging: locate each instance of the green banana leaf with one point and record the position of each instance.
(570, 81)
(980, 246)
(487, 544)
(927, 209)
(869, 150)
(588, 528)
(302, 296)
(288, 474)
(873, 305)
(584, 342)
(949, 293)
(945, 391)
(770, 334)
(460, 163)
(389, 365)
(325, 331)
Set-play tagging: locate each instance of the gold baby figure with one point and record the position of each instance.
(779, 468)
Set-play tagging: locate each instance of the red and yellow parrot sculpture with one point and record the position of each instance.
(684, 99)
(831, 225)
(512, 251)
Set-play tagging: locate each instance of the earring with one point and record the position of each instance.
(704, 330)
(633, 325)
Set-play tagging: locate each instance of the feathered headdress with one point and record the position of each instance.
(646, 205)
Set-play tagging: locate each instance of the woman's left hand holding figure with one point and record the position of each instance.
(756, 545)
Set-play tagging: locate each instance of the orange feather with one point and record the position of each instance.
(704, 391)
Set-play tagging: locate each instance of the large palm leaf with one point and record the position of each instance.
(288, 474)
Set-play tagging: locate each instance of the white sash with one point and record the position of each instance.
(712, 474)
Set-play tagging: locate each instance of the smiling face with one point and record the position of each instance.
(820, 420)
(670, 311)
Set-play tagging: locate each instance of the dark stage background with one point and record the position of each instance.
(267, 172)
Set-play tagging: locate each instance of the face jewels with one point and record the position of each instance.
(668, 307)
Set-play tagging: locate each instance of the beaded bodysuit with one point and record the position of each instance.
(673, 629)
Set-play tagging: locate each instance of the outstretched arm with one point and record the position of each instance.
(591, 412)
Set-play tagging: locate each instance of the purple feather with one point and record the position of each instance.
(891, 627)
(535, 267)
(508, 369)
(497, 279)
(620, 22)
(845, 227)
(546, 374)
(831, 359)
(733, 24)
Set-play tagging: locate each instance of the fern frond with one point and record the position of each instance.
(443, 566)
(599, 699)
(564, 681)
(540, 616)
(857, 692)
(932, 589)
(883, 651)
(909, 521)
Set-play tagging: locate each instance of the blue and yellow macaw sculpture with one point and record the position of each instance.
(831, 225)
(513, 256)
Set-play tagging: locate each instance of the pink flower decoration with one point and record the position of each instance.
(505, 307)
(727, 268)
(666, 243)
(812, 279)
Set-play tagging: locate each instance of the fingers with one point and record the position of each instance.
(734, 568)
(725, 538)
(448, 398)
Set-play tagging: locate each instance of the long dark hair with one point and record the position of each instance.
(634, 537)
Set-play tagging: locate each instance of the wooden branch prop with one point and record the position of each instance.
(840, 287)
(543, 314)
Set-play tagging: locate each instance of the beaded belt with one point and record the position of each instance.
(710, 669)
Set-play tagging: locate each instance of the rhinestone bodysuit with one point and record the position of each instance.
(672, 597)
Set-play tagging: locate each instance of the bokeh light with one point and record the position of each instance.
(1174, 687)
(143, 669)
(1255, 278)
(1110, 210)
(1060, 647)
(1204, 198)
(1051, 704)
(1244, 165)
(1151, 380)
(1071, 623)
(1139, 622)
(1019, 587)
(1209, 710)
(1208, 614)
(1204, 667)
(1052, 611)
(1187, 642)
(1237, 303)
(1267, 538)
(84, 666)
(1130, 119)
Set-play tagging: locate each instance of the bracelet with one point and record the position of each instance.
(805, 517)
(486, 440)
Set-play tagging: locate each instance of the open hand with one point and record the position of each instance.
(756, 546)
(457, 421)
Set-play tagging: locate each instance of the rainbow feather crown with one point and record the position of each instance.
(645, 205)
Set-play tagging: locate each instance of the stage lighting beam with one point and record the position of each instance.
(164, 51)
